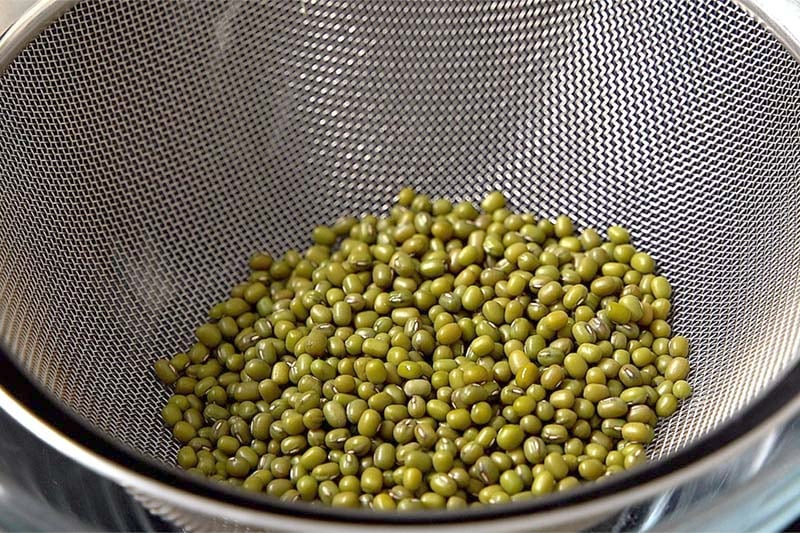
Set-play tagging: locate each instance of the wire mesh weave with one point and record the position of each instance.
(147, 148)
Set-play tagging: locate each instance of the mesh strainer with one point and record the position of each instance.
(148, 147)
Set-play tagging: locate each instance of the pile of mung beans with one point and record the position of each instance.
(442, 356)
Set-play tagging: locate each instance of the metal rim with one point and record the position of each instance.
(37, 410)
(27, 402)
(36, 18)
(781, 17)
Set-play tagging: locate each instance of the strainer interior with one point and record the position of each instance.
(147, 148)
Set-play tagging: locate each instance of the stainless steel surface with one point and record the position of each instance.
(782, 17)
(11, 10)
(759, 492)
(21, 20)
(43, 490)
(148, 148)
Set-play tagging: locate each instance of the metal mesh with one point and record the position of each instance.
(147, 148)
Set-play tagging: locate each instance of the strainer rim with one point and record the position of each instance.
(40, 403)
(31, 22)
(780, 17)
(35, 398)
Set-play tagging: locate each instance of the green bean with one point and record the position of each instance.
(399, 351)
